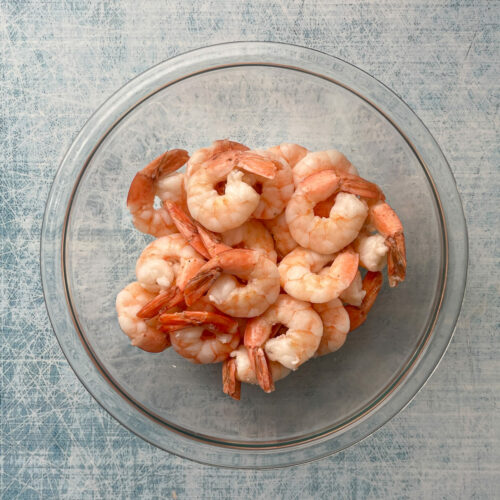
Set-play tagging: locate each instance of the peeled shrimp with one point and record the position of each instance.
(300, 274)
(387, 223)
(335, 326)
(221, 212)
(292, 153)
(201, 156)
(163, 260)
(143, 334)
(291, 349)
(253, 235)
(225, 291)
(283, 240)
(238, 368)
(372, 284)
(329, 235)
(152, 181)
(322, 160)
(372, 250)
(276, 192)
(201, 346)
(354, 293)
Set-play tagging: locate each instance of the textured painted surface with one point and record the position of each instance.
(60, 59)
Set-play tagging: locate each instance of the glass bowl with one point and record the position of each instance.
(260, 94)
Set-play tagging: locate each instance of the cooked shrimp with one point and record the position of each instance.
(335, 326)
(253, 235)
(201, 346)
(329, 235)
(322, 160)
(292, 153)
(372, 250)
(230, 295)
(387, 223)
(283, 240)
(372, 283)
(291, 349)
(143, 334)
(148, 183)
(238, 368)
(201, 156)
(274, 193)
(221, 212)
(354, 293)
(300, 274)
(163, 260)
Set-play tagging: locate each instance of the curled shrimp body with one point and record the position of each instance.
(226, 293)
(150, 182)
(329, 235)
(221, 212)
(202, 155)
(336, 326)
(354, 293)
(372, 251)
(253, 235)
(283, 239)
(387, 223)
(143, 334)
(238, 368)
(292, 348)
(163, 260)
(200, 345)
(276, 192)
(292, 153)
(300, 274)
(322, 160)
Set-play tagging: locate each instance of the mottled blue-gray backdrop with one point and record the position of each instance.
(60, 59)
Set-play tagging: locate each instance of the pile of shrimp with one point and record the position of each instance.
(259, 257)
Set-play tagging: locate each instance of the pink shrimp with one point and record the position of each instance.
(144, 188)
(329, 235)
(142, 333)
(291, 349)
(229, 295)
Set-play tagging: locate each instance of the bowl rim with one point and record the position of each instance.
(274, 54)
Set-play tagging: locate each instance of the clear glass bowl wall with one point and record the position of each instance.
(261, 95)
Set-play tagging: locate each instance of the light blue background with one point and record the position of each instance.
(59, 60)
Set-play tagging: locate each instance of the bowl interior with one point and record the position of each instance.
(260, 106)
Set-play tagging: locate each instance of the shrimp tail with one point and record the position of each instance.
(256, 164)
(186, 227)
(212, 241)
(200, 284)
(211, 321)
(361, 187)
(372, 284)
(142, 187)
(389, 225)
(230, 384)
(396, 259)
(260, 365)
(163, 301)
